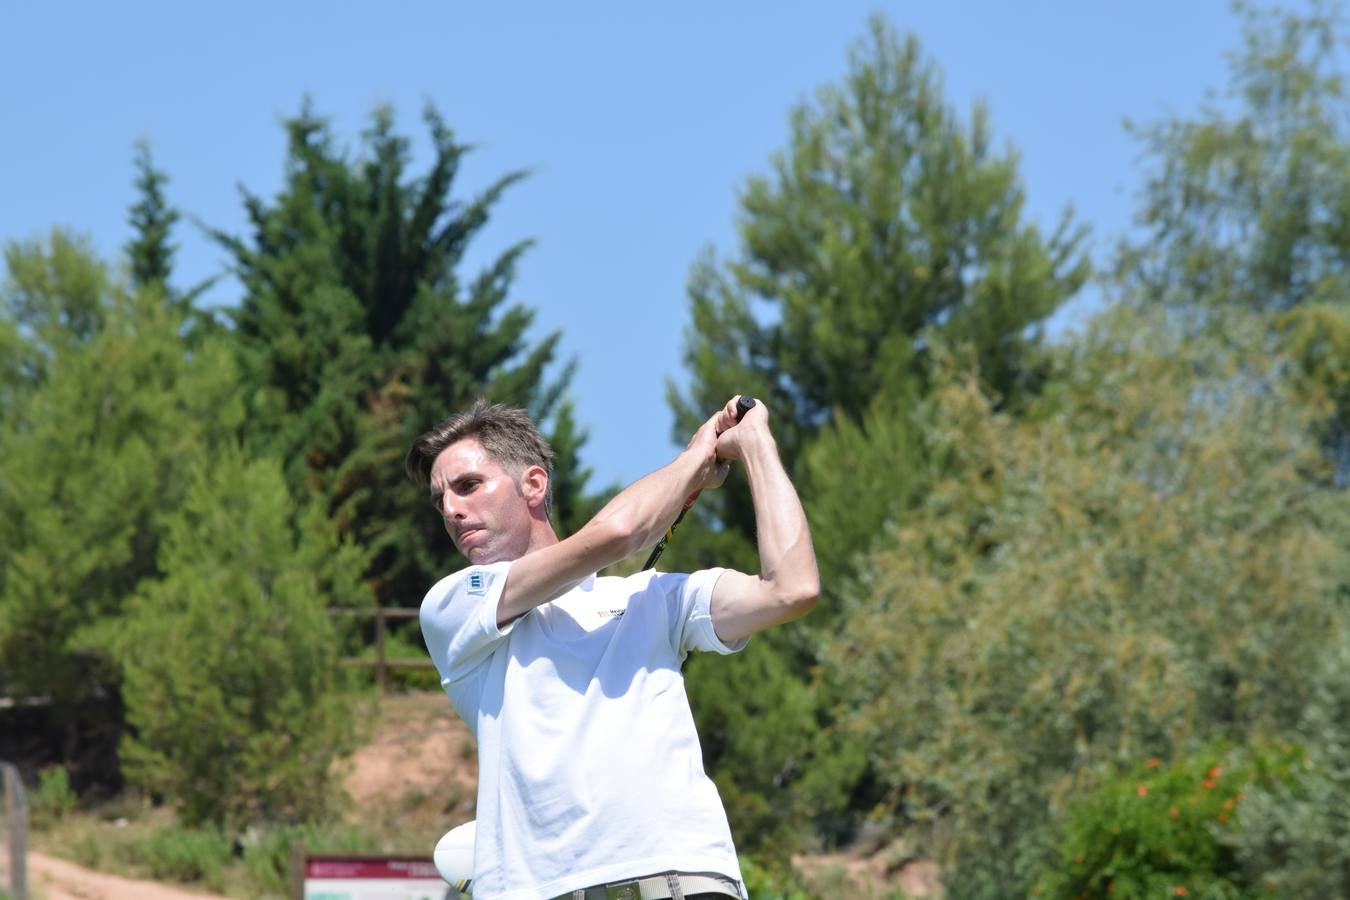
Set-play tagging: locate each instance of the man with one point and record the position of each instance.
(591, 781)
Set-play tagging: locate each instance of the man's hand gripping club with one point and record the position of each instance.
(736, 409)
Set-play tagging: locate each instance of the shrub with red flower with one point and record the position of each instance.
(1161, 829)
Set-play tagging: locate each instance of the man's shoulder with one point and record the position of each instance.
(469, 581)
(444, 587)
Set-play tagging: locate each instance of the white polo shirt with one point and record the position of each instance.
(589, 767)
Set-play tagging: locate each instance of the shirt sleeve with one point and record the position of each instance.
(459, 619)
(690, 601)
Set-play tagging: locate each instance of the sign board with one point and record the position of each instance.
(374, 878)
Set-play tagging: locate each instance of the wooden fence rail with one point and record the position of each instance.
(381, 663)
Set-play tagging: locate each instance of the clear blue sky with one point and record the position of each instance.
(640, 121)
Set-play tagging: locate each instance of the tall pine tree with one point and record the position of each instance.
(886, 222)
(887, 225)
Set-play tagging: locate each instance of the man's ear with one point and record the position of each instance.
(534, 485)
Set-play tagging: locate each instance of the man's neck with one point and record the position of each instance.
(541, 535)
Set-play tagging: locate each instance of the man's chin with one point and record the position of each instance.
(482, 556)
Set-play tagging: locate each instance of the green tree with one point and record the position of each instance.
(856, 476)
(887, 224)
(91, 458)
(150, 252)
(104, 408)
(1247, 204)
(231, 675)
(886, 217)
(150, 575)
(55, 297)
(18, 360)
(357, 334)
(573, 503)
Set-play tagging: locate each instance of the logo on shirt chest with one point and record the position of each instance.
(607, 614)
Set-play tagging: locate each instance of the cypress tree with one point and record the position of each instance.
(358, 333)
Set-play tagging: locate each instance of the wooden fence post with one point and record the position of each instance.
(382, 663)
(379, 649)
(15, 811)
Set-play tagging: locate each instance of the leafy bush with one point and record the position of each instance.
(1165, 831)
(184, 855)
(769, 882)
(55, 798)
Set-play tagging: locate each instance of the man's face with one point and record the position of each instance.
(485, 513)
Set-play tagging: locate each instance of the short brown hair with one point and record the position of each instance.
(508, 435)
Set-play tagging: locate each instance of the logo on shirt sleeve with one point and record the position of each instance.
(478, 583)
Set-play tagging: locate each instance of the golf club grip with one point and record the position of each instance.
(743, 406)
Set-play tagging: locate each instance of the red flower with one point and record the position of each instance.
(1142, 790)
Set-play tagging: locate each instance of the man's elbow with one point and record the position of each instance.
(613, 535)
(799, 597)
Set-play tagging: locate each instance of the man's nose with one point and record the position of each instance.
(450, 508)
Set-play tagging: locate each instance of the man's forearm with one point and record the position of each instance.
(788, 582)
(634, 519)
(786, 557)
(645, 510)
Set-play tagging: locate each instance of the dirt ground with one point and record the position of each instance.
(420, 749)
(50, 878)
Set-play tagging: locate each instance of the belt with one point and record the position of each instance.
(658, 887)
